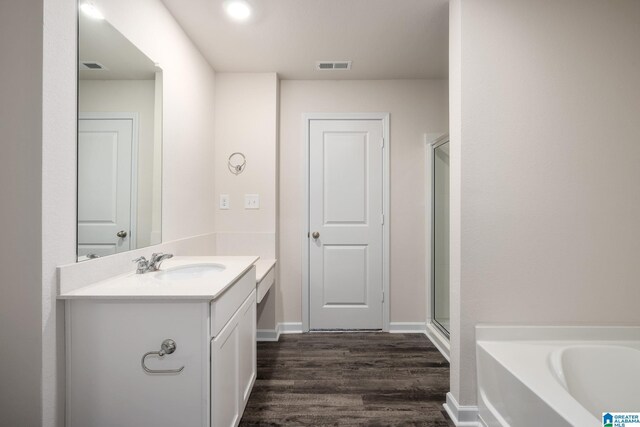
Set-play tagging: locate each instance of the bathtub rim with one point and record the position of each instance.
(545, 338)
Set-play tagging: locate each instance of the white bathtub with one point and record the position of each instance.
(556, 376)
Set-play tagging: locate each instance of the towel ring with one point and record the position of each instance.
(236, 166)
(168, 347)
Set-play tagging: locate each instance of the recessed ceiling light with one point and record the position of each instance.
(91, 11)
(238, 10)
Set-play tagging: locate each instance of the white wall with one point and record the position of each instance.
(455, 176)
(187, 160)
(550, 162)
(58, 191)
(246, 120)
(21, 213)
(129, 96)
(416, 107)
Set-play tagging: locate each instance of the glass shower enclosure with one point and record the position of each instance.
(440, 235)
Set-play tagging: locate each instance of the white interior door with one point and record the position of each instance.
(345, 210)
(104, 185)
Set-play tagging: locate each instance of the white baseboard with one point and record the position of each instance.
(296, 328)
(281, 328)
(406, 327)
(434, 335)
(290, 327)
(439, 340)
(462, 416)
(271, 335)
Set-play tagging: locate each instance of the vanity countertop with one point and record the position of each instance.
(147, 286)
(263, 266)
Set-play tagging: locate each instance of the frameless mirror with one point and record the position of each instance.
(119, 143)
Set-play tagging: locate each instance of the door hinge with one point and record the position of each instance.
(382, 296)
(382, 142)
(382, 219)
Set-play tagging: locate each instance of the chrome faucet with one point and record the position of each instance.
(145, 265)
(156, 260)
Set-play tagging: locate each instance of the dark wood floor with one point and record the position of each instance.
(372, 379)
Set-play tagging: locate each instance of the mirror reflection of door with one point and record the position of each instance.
(105, 176)
(119, 143)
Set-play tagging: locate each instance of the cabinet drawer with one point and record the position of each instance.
(228, 303)
(265, 284)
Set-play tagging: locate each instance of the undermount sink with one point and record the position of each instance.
(191, 271)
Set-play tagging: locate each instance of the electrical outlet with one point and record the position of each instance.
(252, 201)
(224, 201)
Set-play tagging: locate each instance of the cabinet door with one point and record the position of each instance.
(106, 385)
(233, 365)
(225, 409)
(247, 348)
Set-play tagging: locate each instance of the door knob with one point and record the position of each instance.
(121, 234)
(315, 234)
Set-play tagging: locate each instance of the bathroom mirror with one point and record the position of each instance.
(119, 143)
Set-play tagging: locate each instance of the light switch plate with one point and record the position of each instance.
(224, 201)
(252, 201)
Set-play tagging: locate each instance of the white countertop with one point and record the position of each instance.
(146, 286)
(263, 267)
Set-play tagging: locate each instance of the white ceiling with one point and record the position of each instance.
(100, 42)
(385, 39)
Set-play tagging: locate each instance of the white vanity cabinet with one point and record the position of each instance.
(233, 365)
(215, 342)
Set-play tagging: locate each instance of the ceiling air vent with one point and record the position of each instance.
(91, 65)
(333, 65)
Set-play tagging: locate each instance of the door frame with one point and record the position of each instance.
(133, 209)
(386, 187)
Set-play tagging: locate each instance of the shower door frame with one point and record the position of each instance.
(431, 170)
